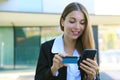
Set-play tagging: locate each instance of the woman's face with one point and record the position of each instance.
(74, 25)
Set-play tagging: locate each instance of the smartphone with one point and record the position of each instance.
(88, 53)
(70, 60)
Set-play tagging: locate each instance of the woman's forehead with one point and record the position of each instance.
(76, 14)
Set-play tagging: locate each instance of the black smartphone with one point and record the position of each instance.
(70, 60)
(88, 53)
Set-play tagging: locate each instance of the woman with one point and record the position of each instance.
(77, 36)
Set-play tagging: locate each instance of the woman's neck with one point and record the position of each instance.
(69, 45)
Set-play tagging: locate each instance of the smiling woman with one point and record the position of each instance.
(77, 35)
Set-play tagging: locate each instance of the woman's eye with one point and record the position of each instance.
(71, 21)
(82, 23)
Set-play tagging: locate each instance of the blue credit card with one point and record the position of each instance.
(70, 60)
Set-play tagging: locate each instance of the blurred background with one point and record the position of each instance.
(25, 24)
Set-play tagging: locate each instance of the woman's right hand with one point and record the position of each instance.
(57, 63)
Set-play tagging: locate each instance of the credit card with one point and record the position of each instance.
(70, 60)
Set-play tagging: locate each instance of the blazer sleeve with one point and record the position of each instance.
(43, 69)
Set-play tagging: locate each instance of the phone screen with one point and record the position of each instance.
(88, 53)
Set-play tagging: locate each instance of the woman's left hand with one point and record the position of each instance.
(90, 67)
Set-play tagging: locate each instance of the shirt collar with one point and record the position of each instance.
(58, 45)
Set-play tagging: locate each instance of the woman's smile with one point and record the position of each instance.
(75, 33)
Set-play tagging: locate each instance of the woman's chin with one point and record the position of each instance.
(75, 37)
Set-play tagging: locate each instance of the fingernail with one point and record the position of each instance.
(88, 59)
(83, 61)
(80, 63)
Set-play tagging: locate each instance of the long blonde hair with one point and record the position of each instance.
(86, 40)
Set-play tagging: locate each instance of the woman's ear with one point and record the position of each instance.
(62, 23)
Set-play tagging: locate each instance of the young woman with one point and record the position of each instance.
(77, 36)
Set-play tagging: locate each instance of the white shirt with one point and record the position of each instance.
(72, 69)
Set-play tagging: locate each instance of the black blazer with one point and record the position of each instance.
(45, 61)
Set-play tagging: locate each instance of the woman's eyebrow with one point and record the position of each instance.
(72, 18)
(76, 18)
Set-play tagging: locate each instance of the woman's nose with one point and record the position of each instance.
(77, 26)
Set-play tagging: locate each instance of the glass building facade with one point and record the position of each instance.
(20, 46)
(6, 47)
